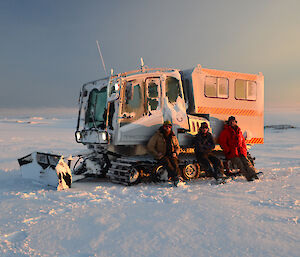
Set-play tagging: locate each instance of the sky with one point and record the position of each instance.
(48, 48)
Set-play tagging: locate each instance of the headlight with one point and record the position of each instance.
(104, 136)
(78, 136)
(117, 86)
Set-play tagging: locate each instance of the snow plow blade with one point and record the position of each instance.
(48, 169)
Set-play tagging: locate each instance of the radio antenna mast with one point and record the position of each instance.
(103, 64)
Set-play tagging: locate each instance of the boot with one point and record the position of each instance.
(178, 181)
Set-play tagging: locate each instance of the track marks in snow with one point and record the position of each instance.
(290, 204)
(30, 195)
(14, 237)
(32, 220)
(279, 219)
(15, 244)
(108, 193)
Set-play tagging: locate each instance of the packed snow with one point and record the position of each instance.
(98, 218)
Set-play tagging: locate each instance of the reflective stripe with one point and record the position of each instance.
(229, 111)
(255, 140)
(187, 150)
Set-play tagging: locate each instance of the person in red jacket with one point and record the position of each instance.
(234, 147)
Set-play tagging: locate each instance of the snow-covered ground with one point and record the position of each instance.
(98, 218)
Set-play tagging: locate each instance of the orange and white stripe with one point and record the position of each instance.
(255, 140)
(229, 111)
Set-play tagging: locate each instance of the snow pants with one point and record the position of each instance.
(245, 167)
(211, 164)
(171, 164)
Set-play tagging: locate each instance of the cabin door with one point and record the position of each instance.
(141, 112)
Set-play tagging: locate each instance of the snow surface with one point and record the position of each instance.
(98, 218)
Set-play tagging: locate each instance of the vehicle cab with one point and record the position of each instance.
(123, 111)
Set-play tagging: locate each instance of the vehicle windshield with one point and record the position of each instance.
(95, 115)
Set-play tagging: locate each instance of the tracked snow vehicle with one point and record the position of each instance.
(118, 115)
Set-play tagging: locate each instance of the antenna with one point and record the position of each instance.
(101, 56)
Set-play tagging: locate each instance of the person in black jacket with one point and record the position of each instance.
(204, 145)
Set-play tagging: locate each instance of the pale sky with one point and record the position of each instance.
(48, 48)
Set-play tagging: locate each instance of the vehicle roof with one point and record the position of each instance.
(143, 71)
(227, 74)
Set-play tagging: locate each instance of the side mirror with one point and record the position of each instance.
(113, 91)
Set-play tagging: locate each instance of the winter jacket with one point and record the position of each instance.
(232, 142)
(203, 143)
(157, 144)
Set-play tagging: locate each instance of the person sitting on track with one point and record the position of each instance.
(234, 147)
(164, 146)
(204, 145)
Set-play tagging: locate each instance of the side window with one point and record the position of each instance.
(133, 104)
(172, 89)
(153, 93)
(223, 87)
(216, 87)
(251, 90)
(210, 87)
(245, 90)
(240, 89)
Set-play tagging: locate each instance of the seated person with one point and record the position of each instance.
(234, 147)
(164, 146)
(204, 145)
